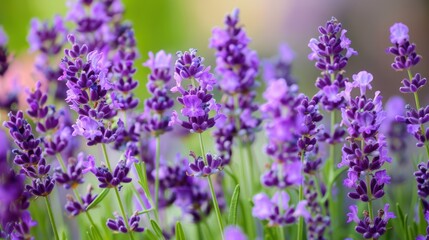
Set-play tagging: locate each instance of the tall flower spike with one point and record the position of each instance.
(237, 68)
(88, 85)
(406, 58)
(156, 117)
(197, 101)
(331, 51)
(280, 66)
(365, 154)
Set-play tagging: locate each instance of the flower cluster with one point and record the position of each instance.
(49, 41)
(88, 85)
(237, 67)
(406, 58)
(366, 150)
(197, 100)
(277, 210)
(199, 168)
(368, 227)
(74, 207)
(156, 117)
(6, 102)
(119, 225)
(29, 156)
(331, 51)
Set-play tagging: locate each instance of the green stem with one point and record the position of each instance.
(215, 203)
(121, 206)
(51, 218)
(157, 160)
(106, 157)
(416, 99)
(61, 161)
(368, 182)
(251, 166)
(300, 235)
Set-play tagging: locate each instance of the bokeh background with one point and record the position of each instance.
(179, 25)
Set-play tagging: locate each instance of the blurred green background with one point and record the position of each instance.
(179, 25)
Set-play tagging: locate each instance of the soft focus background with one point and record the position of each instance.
(179, 25)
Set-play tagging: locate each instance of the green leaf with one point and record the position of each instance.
(64, 237)
(401, 214)
(232, 216)
(157, 229)
(180, 235)
(98, 199)
(150, 234)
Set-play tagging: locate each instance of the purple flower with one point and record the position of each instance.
(192, 106)
(398, 33)
(87, 127)
(200, 168)
(353, 214)
(234, 233)
(159, 62)
(381, 177)
(118, 224)
(362, 80)
(280, 66)
(4, 63)
(277, 210)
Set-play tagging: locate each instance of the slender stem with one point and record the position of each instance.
(61, 161)
(251, 165)
(215, 203)
(157, 160)
(106, 157)
(121, 206)
(300, 235)
(416, 99)
(51, 218)
(368, 182)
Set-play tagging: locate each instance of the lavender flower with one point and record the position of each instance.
(108, 179)
(234, 233)
(119, 225)
(76, 207)
(371, 228)
(404, 51)
(196, 100)
(237, 67)
(201, 169)
(76, 168)
(156, 118)
(331, 51)
(365, 153)
(87, 95)
(277, 210)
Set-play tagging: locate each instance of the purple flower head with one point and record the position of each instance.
(363, 80)
(234, 233)
(404, 51)
(353, 214)
(398, 33)
(87, 127)
(381, 177)
(75, 207)
(283, 175)
(47, 39)
(118, 224)
(277, 210)
(199, 168)
(159, 62)
(370, 228)
(76, 168)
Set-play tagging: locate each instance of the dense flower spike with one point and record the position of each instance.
(88, 84)
(156, 117)
(237, 68)
(197, 102)
(366, 152)
(76, 168)
(331, 51)
(280, 66)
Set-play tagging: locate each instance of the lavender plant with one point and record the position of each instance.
(88, 92)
